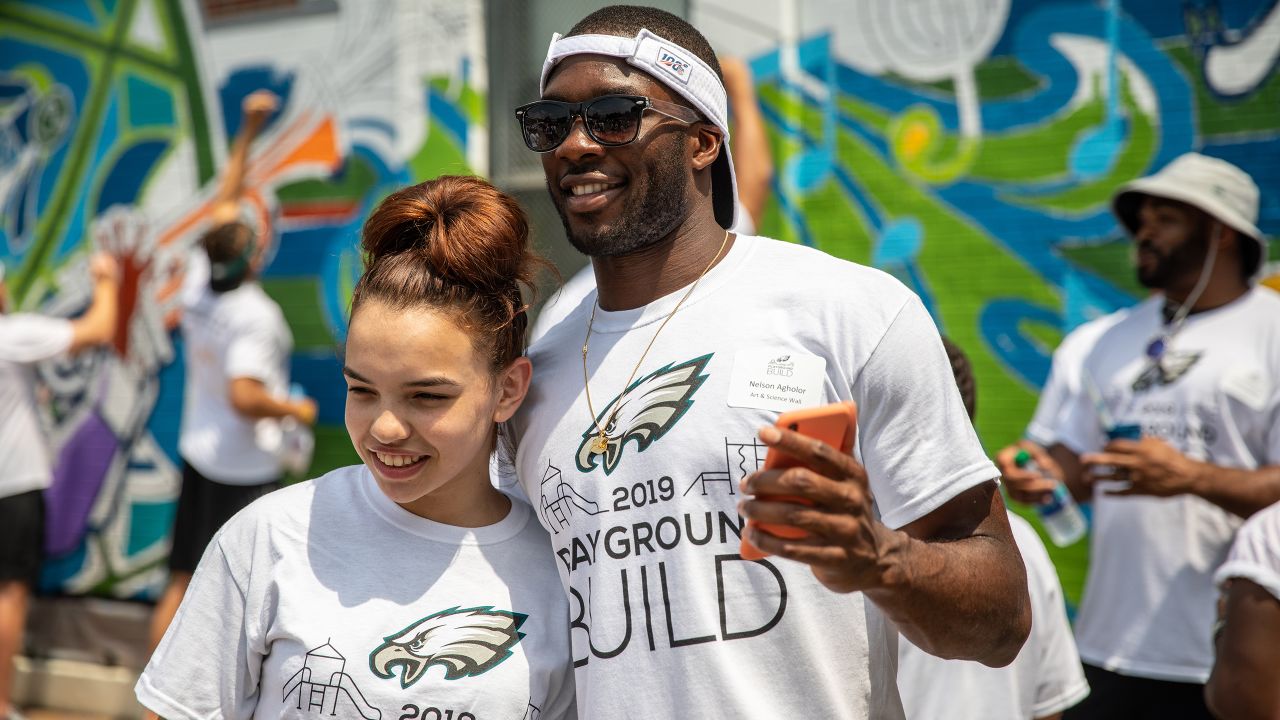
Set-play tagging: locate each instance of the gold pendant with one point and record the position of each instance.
(600, 444)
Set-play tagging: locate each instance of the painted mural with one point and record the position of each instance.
(970, 147)
(115, 116)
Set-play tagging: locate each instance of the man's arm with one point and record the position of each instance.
(1153, 467)
(256, 109)
(752, 160)
(952, 581)
(249, 398)
(1034, 486)
(1243, 684)
(97, 326)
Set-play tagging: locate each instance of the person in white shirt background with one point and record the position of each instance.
(1044, 680)
(236, 348)
(26, 467)
(1195, 369)
(409, 585)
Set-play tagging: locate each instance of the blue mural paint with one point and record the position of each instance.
(77, 10)
(1021, 356)
(130, 171)
(899, 242)
(70, 72)
(320, 373)
(166, 417)
(444, 112)
(149, 104)
(244, 81)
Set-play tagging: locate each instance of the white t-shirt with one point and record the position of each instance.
(583, 283)
(1046, 677)
(667, 619)
(1255, 554)
(25, 460)
(566, 298)
(328, 598)
(1064, 379)
(236, 334)
(1149, 599)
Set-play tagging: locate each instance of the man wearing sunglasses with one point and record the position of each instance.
(1197, 368)
(642, 440)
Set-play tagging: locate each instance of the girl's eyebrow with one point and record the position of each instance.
(433, 381)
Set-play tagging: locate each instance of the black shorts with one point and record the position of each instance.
(203, 506)
(1113, 696)
(22, 537)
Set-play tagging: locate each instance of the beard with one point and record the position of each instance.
(1185, 260)
(650, 212)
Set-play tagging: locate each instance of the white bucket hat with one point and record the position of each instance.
(678, 69)
(1215, 186)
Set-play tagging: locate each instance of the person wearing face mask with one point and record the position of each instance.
(1193, 373)
(408, 585)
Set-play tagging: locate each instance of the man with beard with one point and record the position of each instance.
(640, 445)
(1197, 369)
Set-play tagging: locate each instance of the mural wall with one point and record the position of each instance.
(970, 147)
(115, 117)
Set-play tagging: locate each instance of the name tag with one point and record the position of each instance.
(776, 379)
(1247, 385)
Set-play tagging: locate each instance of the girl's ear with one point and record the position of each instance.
(513, 385)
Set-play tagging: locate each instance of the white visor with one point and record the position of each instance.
(678, 69)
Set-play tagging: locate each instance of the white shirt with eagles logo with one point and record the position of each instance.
(667, 619)
(1149, 599)
(327, 600)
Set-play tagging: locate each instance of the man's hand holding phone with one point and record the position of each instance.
(822, 497)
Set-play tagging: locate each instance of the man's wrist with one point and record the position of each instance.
(1200, 478)
(893, 555)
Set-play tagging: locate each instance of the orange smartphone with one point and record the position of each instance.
(836, 425)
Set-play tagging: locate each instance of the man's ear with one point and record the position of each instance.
(709, 139)
(513, 385)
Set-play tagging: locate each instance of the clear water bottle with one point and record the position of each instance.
(1060, 514)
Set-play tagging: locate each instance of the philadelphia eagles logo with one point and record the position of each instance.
(465, 642)
(644, 412)
(1166, 370)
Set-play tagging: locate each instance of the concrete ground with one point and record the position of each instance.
(67, 689)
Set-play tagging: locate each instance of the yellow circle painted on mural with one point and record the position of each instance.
(915, 139)
(1272, 282)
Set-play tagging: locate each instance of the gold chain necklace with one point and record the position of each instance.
(601, 442)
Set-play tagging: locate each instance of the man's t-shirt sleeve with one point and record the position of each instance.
(916, 441)
(1079, 427)
(27, 338)
(1255, 555)
(253, 353)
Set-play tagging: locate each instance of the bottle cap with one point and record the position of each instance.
(1022, 458)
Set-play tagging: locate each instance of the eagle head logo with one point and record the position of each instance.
(1166, 370)
(644, 412)
(466, 642)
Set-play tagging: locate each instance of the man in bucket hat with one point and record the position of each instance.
(1196, 369)
(640, 443)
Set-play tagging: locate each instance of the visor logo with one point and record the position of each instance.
(676, 66)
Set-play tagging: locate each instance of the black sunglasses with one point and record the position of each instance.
(608, 119)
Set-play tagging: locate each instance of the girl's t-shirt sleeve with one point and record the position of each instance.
(209, 662)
